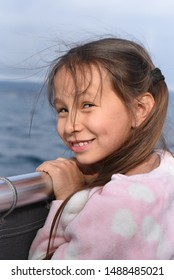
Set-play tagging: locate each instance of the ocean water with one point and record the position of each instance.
(22, 149)
(24, 146)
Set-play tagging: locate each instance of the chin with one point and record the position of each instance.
(88, 163)
(85, 162)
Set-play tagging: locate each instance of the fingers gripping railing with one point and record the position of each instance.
(24, 189)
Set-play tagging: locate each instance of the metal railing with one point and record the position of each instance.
(28, 188)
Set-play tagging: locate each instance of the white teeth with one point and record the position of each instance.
(81, 144)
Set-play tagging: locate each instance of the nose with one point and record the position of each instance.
(72, 124)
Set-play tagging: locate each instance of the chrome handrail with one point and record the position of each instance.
(30, 188)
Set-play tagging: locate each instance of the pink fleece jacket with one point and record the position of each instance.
(131, 217)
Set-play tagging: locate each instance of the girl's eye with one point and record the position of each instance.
(87, 105)
(62, 110)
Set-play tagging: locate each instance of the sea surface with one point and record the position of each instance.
(28, 128)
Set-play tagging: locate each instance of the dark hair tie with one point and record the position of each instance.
(157, 76)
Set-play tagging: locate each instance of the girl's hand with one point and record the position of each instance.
(65, 174)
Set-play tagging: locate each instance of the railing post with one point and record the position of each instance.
(30, 188)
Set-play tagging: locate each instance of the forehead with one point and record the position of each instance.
(80, 80)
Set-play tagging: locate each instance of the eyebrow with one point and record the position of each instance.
(87, 94)
(58, 100)
(84, 94)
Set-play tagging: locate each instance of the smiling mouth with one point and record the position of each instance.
(81, 143)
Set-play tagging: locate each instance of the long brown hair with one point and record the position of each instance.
(130, 70)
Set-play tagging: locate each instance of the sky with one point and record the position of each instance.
(31, 32)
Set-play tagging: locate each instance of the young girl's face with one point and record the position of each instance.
(97, 123)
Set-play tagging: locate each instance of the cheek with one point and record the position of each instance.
(97, 122)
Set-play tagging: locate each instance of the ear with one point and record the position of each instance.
(142, 108)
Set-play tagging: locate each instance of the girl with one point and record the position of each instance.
(115, 198)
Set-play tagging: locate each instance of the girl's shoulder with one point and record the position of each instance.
(120, 185)
(166, 161)
(166, 166)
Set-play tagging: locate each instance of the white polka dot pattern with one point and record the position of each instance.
(140, 192)
(123, 223)
(161, 248)
(151, 230)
